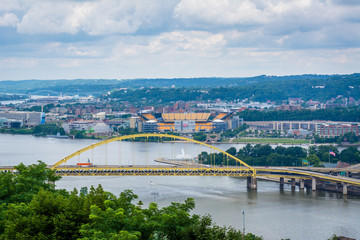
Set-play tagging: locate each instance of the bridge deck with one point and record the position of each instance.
(195, 170)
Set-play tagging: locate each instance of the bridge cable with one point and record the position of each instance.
(146, 153)
(173, 149)
(201, 160)
(119, 149)
(133, 152)
(106, 156)
(92, 157)
(159, 154)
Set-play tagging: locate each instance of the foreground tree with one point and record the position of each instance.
(25, 182)
(33, 209)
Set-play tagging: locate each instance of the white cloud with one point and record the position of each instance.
(215, 13)
(8, 19)
(49, 17)
(58, 49)
(95, 17)
(112, 38)
(192, 44)
(13, 5)
(18, 62)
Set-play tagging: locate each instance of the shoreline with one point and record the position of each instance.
(345, 145)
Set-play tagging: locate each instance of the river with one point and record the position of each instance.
(271, 212)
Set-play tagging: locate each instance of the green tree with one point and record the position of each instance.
(199, 136)
(350, 155)
(106, 224)
(231, 151)
(48, 129)
(28, 180)
(77, 133)
(46, 213)
(313, 159)
(349, 137)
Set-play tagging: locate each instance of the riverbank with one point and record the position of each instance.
(288, 141)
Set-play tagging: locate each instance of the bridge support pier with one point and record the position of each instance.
(252, 183)
(293, 183)
(313, 184)
(248, 182)
(345, 190)
(281, 182)
(301, 184)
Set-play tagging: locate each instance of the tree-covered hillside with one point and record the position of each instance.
(307, 89)
(261, 88)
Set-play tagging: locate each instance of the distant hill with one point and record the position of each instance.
(55, 87)
(212, 82)
(86, 86)
(259, 88)
(307, 87)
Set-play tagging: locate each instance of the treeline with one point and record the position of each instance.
(336, 114)
(46, 108)
(347, 137)
(6, 97)
(260, 88)
(38, 130)
(84, 85)
(272, 89)
(31, 208)
(74, 86)
(265, 155)
(233, 132)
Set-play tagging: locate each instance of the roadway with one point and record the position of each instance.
(200, 170)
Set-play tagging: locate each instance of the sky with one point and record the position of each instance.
(127, 39)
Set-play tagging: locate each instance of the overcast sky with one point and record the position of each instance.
(122, 39)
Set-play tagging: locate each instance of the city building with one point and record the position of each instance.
(321, 128)
(333, 129)
(134, 122)
(282, 125)
(235, 122)
(10, 123)
(27, 119)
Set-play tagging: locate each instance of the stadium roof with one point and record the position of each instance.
(199, 117)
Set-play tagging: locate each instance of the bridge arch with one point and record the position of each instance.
(160, 135)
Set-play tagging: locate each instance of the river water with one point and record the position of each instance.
(271, 212)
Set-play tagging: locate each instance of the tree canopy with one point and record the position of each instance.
(31, 208)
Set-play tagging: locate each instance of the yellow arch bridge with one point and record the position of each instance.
(74, 165)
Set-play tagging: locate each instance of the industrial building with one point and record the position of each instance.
(185, 122)
(27, 119)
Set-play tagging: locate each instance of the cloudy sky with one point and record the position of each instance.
(122, 39)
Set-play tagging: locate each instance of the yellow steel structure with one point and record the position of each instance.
(152, 171)
(294, 173)
(247, 167)
(244, 170)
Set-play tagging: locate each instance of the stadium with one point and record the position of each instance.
(184, 122)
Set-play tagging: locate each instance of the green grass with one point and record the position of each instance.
(271, 140)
